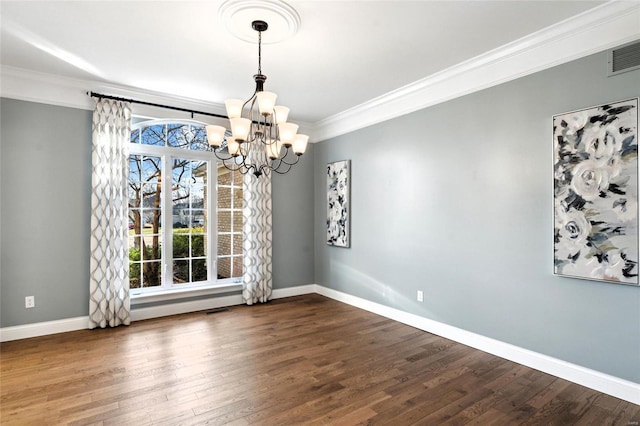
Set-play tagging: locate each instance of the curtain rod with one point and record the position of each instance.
(134, 101)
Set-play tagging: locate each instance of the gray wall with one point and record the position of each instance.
(292, 200)
(456, 200)
(45, 184)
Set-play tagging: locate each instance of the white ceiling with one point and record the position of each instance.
(344, 53)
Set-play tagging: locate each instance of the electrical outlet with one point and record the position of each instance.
(30, 302)
(420, 296)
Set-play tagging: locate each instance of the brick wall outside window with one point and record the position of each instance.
(229, 224)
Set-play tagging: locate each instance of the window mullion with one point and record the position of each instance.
(167, 223)
(212, 225)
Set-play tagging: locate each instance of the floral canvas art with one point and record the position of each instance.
(596, 193)
(338, 220)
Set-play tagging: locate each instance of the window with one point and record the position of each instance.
(185, 210)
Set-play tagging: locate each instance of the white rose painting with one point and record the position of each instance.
(596, 193)
(338, 219)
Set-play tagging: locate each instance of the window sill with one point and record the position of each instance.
(174, 294)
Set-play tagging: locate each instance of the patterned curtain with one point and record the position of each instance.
(256, 234)
(109, 263)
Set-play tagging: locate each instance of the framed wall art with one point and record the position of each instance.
(339, 203)
(595, 154)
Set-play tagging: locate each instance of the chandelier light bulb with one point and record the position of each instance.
(273, 148)
(282, 113)
(266, 102)
(287, 133)
(215, 135)
(233, 146)
(240, 128)
(300, 144)
(234, 107)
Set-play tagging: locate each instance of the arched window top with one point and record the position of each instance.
(172, 133)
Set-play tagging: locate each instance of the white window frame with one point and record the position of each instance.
(168, 290)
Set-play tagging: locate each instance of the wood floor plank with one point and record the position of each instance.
(300, 360)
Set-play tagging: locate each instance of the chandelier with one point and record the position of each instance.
(261, 139)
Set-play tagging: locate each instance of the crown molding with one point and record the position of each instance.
(609, 25)
(33, 86)
(606, 26)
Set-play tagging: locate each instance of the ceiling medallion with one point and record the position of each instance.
(237, 16)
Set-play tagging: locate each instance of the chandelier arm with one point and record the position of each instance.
(268, 123)
(241, 167)
(281, 165)
(252, 99)
(266, 133)
(231, 169)
(238, 163)
(274, 161)
(223, 159)
(264, 168)
(282, 159)
(260, 157)
(248, 169)
(219, 157)
(277, 170)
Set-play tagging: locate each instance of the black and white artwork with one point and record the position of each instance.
(596, 193)
(338, 203)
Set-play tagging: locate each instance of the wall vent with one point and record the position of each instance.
(624, 58)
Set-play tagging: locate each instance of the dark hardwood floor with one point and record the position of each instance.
(301, 360)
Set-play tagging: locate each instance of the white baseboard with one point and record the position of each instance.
(43, 328)
(138, 314)
(294, 291)
(611, 385)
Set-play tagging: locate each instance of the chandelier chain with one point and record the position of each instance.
(259, 52)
